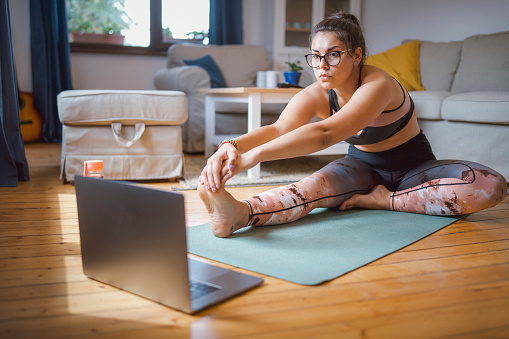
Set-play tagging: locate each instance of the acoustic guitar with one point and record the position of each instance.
(30, 119)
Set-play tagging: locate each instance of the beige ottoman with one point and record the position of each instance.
(136, 133)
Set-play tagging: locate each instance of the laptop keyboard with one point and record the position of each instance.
(199, 289)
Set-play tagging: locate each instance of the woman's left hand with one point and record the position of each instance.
(243, 162)
(218, 165)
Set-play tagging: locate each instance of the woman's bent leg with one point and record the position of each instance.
(449, 187)
(328, 188)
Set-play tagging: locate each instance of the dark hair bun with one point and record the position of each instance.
(348, 29)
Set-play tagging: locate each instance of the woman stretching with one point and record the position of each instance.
(389, 165)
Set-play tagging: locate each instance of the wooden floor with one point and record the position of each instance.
(452, 284)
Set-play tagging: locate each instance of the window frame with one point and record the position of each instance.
(156, 47)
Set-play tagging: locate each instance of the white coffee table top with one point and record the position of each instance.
(248, 90)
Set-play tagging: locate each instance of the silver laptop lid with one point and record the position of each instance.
(134, 239)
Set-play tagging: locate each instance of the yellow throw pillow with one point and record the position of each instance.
(402, 63)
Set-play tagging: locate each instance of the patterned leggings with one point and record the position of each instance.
(437, 187)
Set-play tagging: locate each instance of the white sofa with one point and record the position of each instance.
(238, 65)
(464, 110)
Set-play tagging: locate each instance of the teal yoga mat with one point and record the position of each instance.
(322, 246)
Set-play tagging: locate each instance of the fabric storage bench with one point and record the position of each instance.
(136, 133)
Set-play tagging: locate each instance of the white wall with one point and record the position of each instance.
(112, 71)
(258, 22)
(386, 23)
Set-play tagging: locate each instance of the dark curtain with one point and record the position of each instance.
(225, 22)
(51, 70)
(13, 163)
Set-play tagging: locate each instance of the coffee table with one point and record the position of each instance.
(254, 97)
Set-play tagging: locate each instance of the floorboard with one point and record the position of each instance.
(451, 284)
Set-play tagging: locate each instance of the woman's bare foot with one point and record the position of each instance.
(378, 199)
(226, 213)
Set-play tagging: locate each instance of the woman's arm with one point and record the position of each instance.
(365, 106)
(299, 111)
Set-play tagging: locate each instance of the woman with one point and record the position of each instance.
(390, 164)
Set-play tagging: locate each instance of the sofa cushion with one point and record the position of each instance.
(208, 64)
(238, 63)
(482, 143)
(428, 104)
(439, 62)
(187, 79)
(483, 107)
(402, 63)
(484, 64)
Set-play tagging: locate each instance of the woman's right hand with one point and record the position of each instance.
(219, 166)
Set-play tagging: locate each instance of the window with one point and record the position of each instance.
(180, 23)
(135, 26)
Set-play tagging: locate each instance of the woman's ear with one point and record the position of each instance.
(357, 56)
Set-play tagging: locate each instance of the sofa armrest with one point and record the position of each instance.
(187, 79)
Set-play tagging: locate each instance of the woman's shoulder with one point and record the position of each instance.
(313, 100)
(379, 79)
(372, 73)
(314, 92)
(380, 82)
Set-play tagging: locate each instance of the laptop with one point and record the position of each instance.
(134, 237)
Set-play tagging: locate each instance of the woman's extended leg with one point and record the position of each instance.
(328, 187)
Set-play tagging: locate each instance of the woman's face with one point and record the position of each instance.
(331, 76)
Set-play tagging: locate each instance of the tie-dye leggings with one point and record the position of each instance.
(418, 183)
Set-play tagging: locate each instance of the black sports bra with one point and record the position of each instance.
(372, 134)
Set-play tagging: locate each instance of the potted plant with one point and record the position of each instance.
(97, 21)
(293, 75)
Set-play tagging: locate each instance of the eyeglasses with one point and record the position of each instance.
(332, 58)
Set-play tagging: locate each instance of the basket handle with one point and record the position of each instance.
(139, 128)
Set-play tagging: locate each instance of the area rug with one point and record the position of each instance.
(322, 246)
(278, 172)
